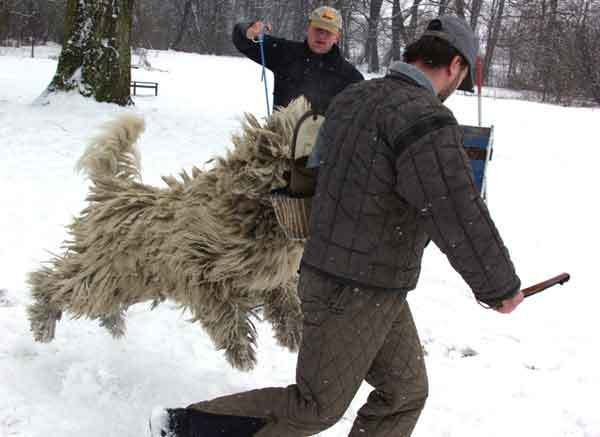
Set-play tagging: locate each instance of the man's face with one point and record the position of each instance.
(320, 40)
(457, 73)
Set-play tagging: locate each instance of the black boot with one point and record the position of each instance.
(187, 422)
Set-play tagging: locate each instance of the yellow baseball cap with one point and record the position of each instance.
(326, 18)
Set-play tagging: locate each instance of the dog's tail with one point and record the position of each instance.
(113, 153)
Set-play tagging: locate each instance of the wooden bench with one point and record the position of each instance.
(138, 84)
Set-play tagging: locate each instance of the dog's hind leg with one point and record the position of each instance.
(114, 323)
(43, 322)
(43, 313)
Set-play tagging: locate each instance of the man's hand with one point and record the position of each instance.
(256, 29)
(509, 305)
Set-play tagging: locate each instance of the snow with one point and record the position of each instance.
(532, 373)
(159, 419)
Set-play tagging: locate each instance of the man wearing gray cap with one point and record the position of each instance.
(393, 175)
(313, 68)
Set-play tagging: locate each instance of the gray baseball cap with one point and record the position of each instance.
(459, 35)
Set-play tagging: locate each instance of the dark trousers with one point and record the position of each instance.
(350, 334)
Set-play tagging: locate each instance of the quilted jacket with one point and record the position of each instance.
(393, 175)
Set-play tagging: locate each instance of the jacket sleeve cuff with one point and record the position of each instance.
(239, 35)
(245, 26)
(496, 301)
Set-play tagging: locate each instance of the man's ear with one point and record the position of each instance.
(456, 65)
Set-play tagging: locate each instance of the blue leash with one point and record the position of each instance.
(264, 71)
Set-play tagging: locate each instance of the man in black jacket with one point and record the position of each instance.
(313, 68)
(393, 175)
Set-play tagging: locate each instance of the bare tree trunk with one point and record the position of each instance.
(4, 19)
(221, 26)
(493, 34)
(460, 8)
(372, 51)
(475, 12)
(300, 19)
(541, 29)
(548, 49)
(443, 6)
(345, 7)
(588, 47)
(183, 25)
(32, 14)
(513, 53)
(96, 56)
(414, 19)
(398, 30)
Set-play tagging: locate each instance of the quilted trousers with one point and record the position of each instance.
(350, 335)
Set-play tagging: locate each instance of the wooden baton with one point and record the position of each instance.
(541, 286)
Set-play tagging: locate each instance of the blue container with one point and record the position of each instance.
(478, 145)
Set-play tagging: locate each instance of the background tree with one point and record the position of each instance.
(398, 31)
(414, 21)
(493, 34)
(460, 8)
(6, 11)
(443, 6)
(475, 11)
(371, 44)
(96, 55)
(587, 49)
(548, 49)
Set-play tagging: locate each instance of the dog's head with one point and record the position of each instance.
(260, 159)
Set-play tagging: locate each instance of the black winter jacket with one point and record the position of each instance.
(394, 174)
(298, 70)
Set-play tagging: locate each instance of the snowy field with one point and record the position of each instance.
(532, 373)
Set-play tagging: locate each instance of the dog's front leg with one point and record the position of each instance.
(226, 315)
(282, 309)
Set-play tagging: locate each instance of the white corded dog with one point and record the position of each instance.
(209, 241)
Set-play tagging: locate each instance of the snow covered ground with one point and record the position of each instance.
(533, 373)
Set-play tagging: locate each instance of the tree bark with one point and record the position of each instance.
(442, 7)
(493, 35)
(4, 19)
(587, 42)
(475, 11)
(414, 19)
(548, 58)
(460, 8)
(182, 28)
(372, 51)
(300, 23)
(346, 8)
(96, 56)
(398, 30)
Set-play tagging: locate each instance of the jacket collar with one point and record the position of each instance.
(411, 72)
